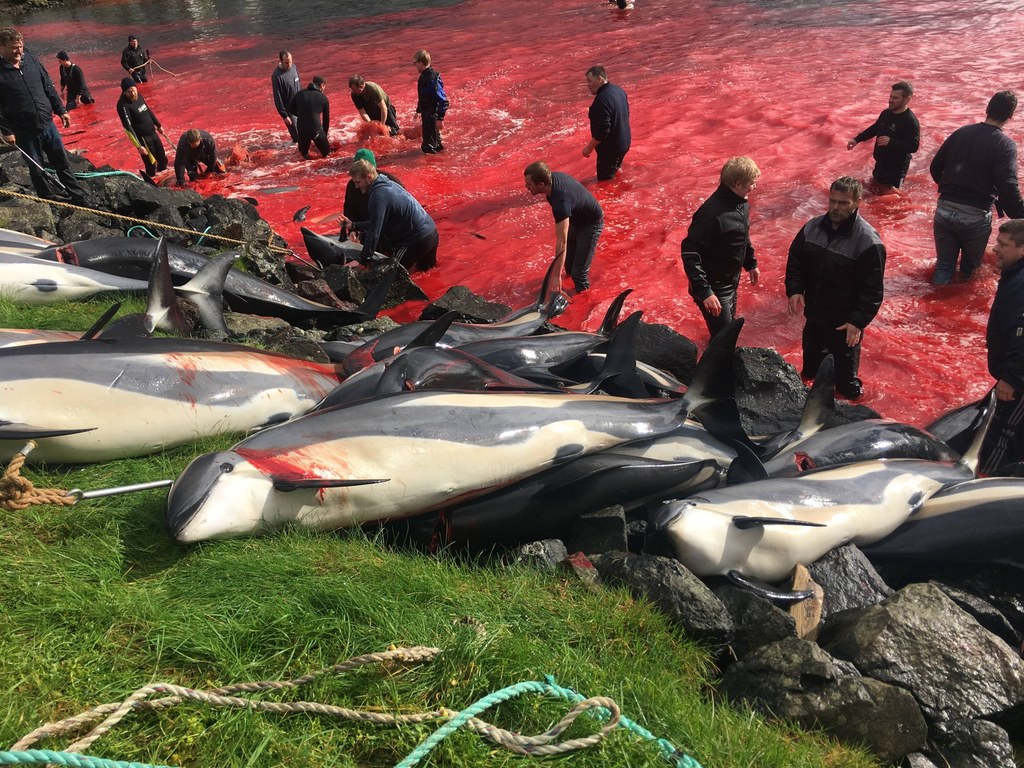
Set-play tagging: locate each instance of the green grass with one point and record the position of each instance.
(98, 600)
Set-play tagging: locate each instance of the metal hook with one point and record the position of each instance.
(79, 494)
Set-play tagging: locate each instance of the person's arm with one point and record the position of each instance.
(372, 229)
(1007, 188)
(275, 85)
(561, 243)
(697, 242)
(600, 124)
(938, 164)
(794, 276)
(327, 116)
(870, 132)
(870, 291)
(126, 60)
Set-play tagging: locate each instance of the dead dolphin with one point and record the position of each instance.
(18, 243)
(139, 396)
(398, 456)
(32, 280)
(300, 215)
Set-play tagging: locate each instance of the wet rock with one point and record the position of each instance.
(984, 612)
(757, 621)
(353, 283)
(546, 554)
(27, 216)
(469, 307)
(683, 597)
(849, 580)
(662, 347)
(599, 532)
(796, 680)
(921, 641)
(970, 744)
(320, 292)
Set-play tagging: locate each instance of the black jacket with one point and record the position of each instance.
(187, 157)
(431, 99)
(73, 79)
(609, 119)
(904, 131)
(1005, 333)
(133, 58)
(137, 117)
(977, 165)
(839, 271)
(313, 111)
(28, 100)
(717, 244)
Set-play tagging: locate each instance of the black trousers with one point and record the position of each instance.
(419, 255)
(47, 142)
(320, 140)
(727, 297)
(1004, 443)
(153, 143)
(608, 163)
(431, 135)
(821, 339)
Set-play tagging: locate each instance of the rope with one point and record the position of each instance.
(546, 743)
(17, 492)
(42, 756)
(122, 217)
(155, 63)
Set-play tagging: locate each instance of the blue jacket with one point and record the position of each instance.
(396, 221)
(1005, 333)
(28, 100)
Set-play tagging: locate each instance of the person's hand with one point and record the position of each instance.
(796, 303)
(587, 150)
(853, 334)
(440, 124)
(851, 144)
(882, 141)
(66, 119)
(1004, 391)
(9, 138)
(755, 275)
(712, 305)
(144, 152)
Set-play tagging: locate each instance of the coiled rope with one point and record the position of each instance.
(17, 492)
(542, 744)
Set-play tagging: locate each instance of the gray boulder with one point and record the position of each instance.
(848, 579)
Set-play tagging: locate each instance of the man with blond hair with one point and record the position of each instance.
(397, 223)
(717, 245)
(431, 103)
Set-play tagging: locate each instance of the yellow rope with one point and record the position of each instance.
(17, 492)
(145, 222)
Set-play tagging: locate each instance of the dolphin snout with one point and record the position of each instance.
(192, 489)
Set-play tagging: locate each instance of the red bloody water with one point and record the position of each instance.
(787, 83)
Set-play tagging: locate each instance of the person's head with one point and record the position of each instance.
(596, 77)
(363, 174)
(899, 96)
(284, 59)
(538, 178)
(1001, 106)
(133, 41)
(12, 45)
(356, 83)
(365, 154)
(421, 59)
(193, 137)
(63, 58)
(843, 199)
(128, 88)
(318, 82)
(740, 174)
(1010, 243)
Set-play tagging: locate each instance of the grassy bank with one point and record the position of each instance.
(98, 600)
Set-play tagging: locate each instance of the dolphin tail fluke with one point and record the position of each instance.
(285, 484)
(746, 467)
(618, 375)
(721, 418)
(745, 523)
(767, 591)
(206, 291)
(714, 377)
(611, 316)
(971, 456)
(374, 301)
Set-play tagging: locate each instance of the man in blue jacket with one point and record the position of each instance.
(1005, 340)
(397, 224)
(28, 102)
(609, 124)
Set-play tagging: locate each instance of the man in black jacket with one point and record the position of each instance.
(195, 147)
(897, 136)
(313, 117)
(609, 123)
(834, 276)
(72, 82)
(134, 60)
(717, 245)
(974, 168)
(28, 102)
(141, 125)
(1005, 340)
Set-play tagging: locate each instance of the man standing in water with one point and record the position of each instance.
(1005, 341)
(373, 104)
(313, 117)
(974, 168)
(72, 82)
(609, 123)
(579, 219)
(141, 125)
(431, 103)
(897, 136)
(717, 245)
(285, 83)
(28, 102)
(834, 276)
(134, 61)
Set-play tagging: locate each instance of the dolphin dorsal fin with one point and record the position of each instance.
(973, 452)
(611, 316)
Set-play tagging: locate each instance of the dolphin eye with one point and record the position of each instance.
(226, 467)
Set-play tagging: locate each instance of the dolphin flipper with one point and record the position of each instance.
(10, 430)
(767, 591)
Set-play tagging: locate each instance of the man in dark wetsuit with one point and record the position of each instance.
(313, 113)
(431, 103)
(28, 102)
(285, 83)
(974, 168)
(609, 124)
(717, 245)
(373, 104)
(141, 124)
(195, 147)
(397, 223)
(578, 216)
(897, 136)
(834, 276)
(357, 202)
(72, 82)
(1005, 340)
(134, 60)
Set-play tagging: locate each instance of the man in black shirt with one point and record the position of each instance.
(195, 147)
(609, 123)
(897, 136)
(72, 82)
(579, 219)
(134, 60)
(141, 125)
(313, 113)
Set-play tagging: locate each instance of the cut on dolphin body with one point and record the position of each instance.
(402, 455)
